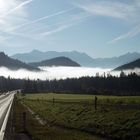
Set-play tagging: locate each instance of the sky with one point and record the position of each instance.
(100, 28)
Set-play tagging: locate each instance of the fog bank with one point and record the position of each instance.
(52, 72)
(59, 72)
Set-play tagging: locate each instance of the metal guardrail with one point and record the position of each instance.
(5, 108)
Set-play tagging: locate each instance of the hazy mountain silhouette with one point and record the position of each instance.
(58, 61)
(131, 65)
(82, 58)
(116, 61)
(13, 64)
(36, 56)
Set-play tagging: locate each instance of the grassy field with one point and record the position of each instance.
(115, 117)
(37, 131)
(84, 98)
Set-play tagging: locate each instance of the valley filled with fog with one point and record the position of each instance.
(59, 72)
(52, 72)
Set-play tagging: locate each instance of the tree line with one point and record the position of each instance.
(99, 85)
(8, 84)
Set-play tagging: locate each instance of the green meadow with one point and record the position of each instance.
(74, 117)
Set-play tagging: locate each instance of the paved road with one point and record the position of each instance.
(6, 101)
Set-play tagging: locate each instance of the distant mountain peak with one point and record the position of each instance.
(80, 57)
(13, 64)
(36, 51)
(58, 61)
(2, 54)
(131, 65)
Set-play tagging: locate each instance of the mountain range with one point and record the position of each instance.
(127, 61)
(13, 64)
(36, 56)
(131, 65)
(58, 61)
(81, 58)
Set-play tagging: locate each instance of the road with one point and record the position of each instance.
(6, 101)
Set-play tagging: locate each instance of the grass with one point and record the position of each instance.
(77, 113)
(89, 98)
(36, 131)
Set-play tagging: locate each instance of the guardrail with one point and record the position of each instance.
(5, 108)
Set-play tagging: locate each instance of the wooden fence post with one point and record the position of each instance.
(24, 121)
(95, 103)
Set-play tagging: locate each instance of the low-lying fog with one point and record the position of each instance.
(57, 72)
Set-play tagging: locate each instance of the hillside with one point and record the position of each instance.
(35, 56)
(13, 64)
(58, 61)
(81, 58)
(131, 65)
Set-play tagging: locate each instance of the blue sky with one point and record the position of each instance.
(100, 28)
